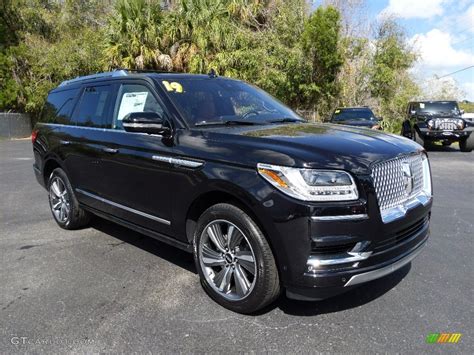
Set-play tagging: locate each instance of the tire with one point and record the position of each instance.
(68, 215)
(243, 294)
(466, 144)
(417, 138)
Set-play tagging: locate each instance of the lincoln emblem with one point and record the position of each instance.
(407, 178)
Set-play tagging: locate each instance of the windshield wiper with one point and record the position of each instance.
(226, 123)
(286, 120)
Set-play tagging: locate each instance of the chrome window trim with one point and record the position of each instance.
(125, 208)
(177, 161)
(142, 125)
(348, 217)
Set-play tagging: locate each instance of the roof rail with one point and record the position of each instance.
(95, 76)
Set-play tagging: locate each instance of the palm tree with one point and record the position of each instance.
(134, 36)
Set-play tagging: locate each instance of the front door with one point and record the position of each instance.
(136, 185)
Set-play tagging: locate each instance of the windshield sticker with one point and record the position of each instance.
(173, 86)
(422, 105)
(337, 111)
(132, 102)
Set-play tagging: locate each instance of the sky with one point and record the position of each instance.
(443, 33)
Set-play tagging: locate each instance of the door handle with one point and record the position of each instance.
(64, 142)
(110, 150)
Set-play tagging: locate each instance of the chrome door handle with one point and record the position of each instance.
(64, 142)
(110, 150)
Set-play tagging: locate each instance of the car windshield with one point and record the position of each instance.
(436, 107)
(356, 114)
(206, 101)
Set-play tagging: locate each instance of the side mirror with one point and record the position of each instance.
(461, 112)
(146, 122)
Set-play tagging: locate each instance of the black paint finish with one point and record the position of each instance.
(115, 173)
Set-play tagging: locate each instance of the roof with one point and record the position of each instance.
(132, 73)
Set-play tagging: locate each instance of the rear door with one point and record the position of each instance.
(83, 140)
(135, 184)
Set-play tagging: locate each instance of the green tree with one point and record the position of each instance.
(134, 36)
(321, 44)
(390, 81)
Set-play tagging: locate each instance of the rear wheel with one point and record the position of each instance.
(64, 205)
(466, 144)
(234, 260)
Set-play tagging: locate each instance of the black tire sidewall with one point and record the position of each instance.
(256, 299)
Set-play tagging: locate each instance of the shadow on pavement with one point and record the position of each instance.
(162, 250)
(354, 298)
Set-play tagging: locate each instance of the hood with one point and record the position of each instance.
(323, 146)
(427, 116)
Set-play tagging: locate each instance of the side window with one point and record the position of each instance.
(58, 107)
(92, 108)
(134, 98)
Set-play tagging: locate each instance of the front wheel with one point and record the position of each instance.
(466, 144)
(417, 138)
(234, 260)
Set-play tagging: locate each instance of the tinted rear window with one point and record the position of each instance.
(59, 106)
(93, 107)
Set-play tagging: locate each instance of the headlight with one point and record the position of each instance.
(426, 175)
(430, 124)
(460, 123)
(310, 184)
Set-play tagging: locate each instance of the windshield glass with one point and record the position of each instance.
(437, 107)
(358, 114)
(209, 100)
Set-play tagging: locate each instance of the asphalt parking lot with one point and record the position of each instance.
(108, 289)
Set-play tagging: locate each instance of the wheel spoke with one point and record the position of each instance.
(222, 279)
(57, 205)
(215, 234)
(211, 257)
(242, 284)
(234, 237)
(246, 260)
(55, 188)
(61, 213)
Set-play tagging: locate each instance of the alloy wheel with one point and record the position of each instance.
(227, 260)
(59, 200)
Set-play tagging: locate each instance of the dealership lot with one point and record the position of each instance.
(106, 288)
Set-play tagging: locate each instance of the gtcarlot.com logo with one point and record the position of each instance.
(443, 338)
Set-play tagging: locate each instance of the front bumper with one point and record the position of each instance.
(326, 249)
(435, 135)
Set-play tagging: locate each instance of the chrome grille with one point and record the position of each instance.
(445, 124)
(391, 183)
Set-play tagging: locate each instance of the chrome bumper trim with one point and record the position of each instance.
(375, 274)
(356, 254)
(348, 217)
(128, 209)
(400, 211)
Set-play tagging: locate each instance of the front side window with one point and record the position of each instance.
(92, 108)
(218, 100)
(134, 98)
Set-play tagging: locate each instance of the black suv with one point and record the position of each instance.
(430, 121)
(217, 167)
(356, 116)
